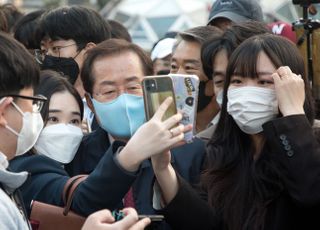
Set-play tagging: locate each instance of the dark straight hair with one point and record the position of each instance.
(52, 82)
(237, 185)
(79, 23)
(18, 69)
(26, 29)
(229, 41)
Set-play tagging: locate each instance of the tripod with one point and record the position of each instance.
(308, 41)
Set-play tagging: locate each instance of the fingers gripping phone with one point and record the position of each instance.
(155, 90)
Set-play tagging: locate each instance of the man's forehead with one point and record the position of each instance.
(187, 51)
(122, 67)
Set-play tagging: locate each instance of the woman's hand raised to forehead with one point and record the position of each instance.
(290, 91)
(153, 137)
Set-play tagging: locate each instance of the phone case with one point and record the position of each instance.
(186, 89)
(155, 90)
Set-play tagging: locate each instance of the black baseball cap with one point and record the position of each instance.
(236, 10)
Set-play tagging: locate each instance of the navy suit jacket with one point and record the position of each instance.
(186, 159)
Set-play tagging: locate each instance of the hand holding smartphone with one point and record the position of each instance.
(155, 90)
(182, 88)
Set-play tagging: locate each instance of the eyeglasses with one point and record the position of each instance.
(56, 49)
(37, 101)
(39, 55)
(108, 93)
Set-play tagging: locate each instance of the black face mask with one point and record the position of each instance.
(203, 100)
(68, 67)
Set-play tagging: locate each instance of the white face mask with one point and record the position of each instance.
(59, 142)
(251, 107)
(32, 125)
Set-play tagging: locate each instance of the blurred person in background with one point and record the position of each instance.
(12, 15)
(119, 31)
(186, 59)
(26, 31)
(161, 55)
(283, 29)
(223, 13)
(3, 22)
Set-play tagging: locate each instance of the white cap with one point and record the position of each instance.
(163, 48)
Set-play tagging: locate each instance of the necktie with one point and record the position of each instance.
(128, 199)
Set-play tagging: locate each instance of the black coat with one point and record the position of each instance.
(296, 207)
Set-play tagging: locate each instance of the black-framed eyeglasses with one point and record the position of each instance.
(37, 101)
(39, 55)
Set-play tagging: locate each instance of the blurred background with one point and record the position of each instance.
(148, 20)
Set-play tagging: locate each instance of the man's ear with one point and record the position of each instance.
(90, 45)
(4, 103)
(89, 102)
(90, 105)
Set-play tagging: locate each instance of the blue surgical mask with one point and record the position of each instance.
(122, 116)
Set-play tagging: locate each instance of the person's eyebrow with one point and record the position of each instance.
(76, 113)
(106, 82)
(192, 61)
(55, 111)
(133, 78)
(215, 73)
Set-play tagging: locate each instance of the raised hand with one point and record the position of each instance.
(153, 137)
(290, 91)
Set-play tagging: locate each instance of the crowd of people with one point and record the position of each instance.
(71, 103)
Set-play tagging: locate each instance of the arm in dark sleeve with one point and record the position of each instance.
(105, 187)
(297, 149)
(45, 182)
(188, 211)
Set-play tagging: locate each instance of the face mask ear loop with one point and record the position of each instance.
(128, 117)
(79, 51)
(7, 126)
(12, 130)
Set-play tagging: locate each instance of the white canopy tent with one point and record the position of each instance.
(148, 20)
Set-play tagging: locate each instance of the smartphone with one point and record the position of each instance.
(153, 218)
(155, 90)
(119, 215)
(186, 90)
